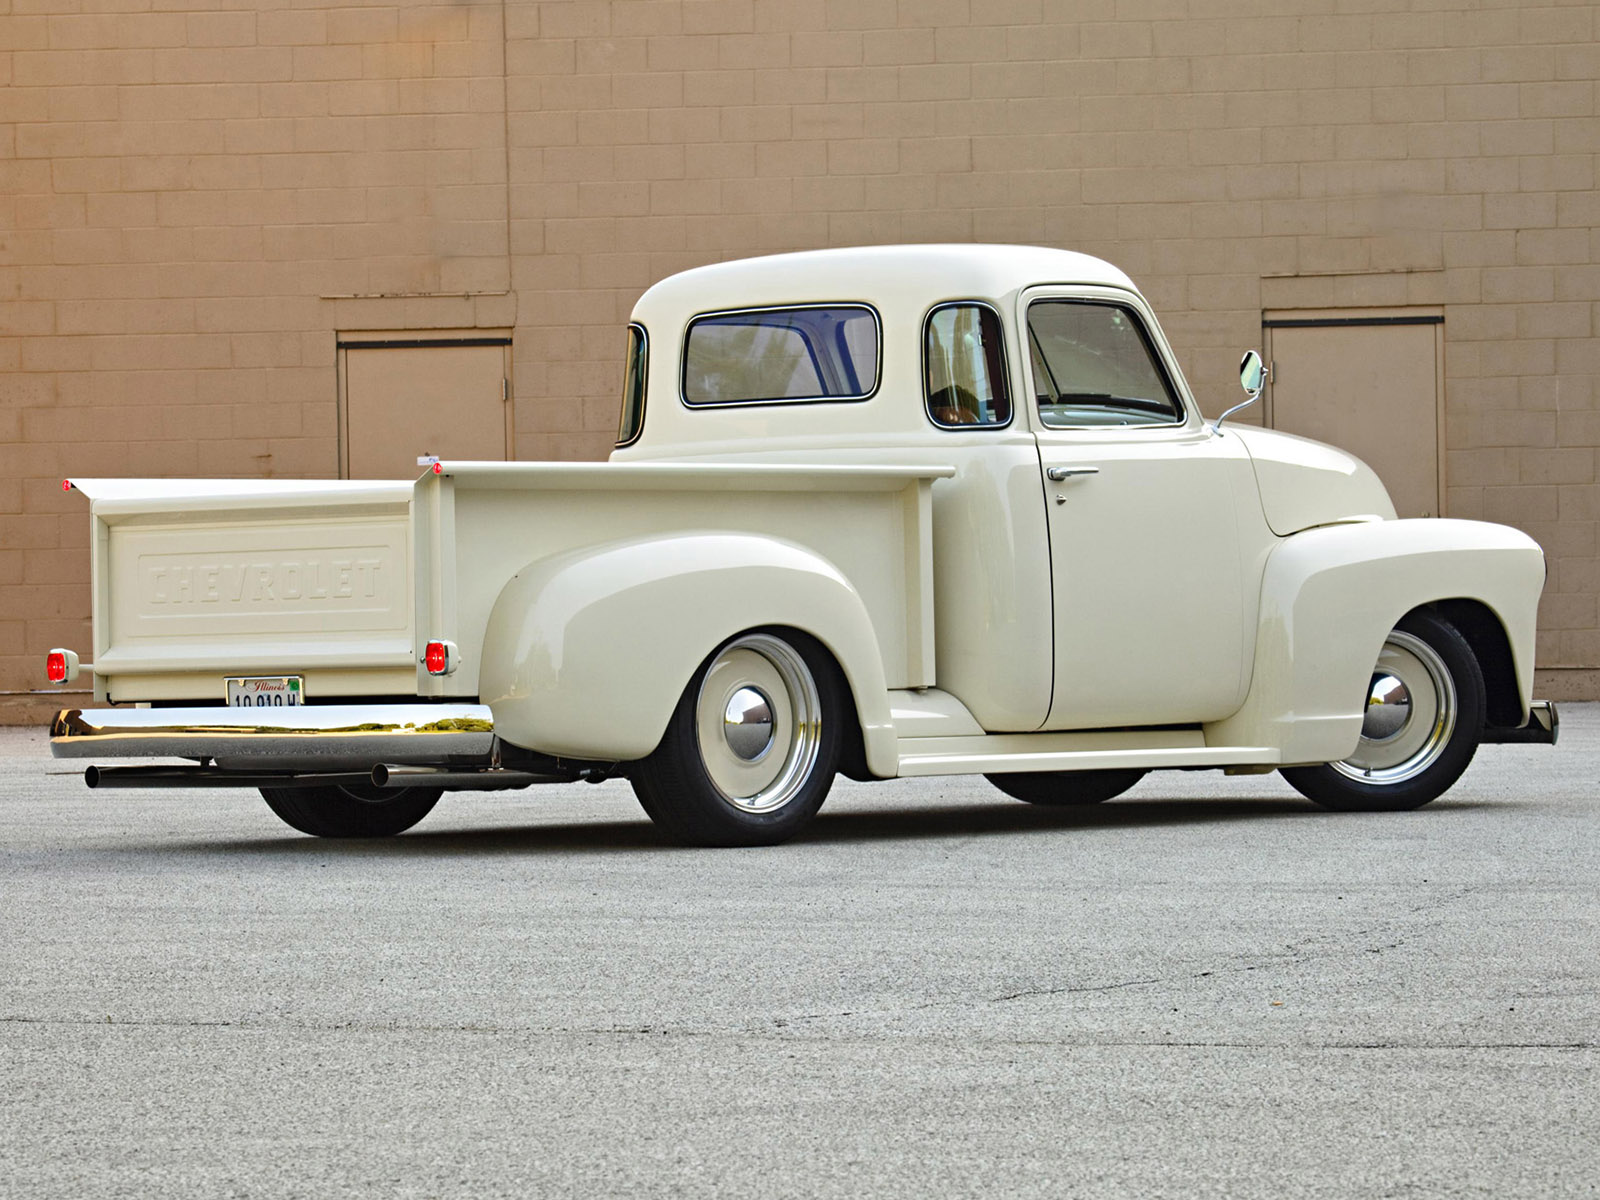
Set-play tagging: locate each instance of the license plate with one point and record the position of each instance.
(271, 691)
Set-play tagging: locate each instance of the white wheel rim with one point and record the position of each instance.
(1397, 745)
(758, 721)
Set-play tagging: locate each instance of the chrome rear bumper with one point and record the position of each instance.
(324, 738)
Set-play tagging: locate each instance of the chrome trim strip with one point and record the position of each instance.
(329, 737)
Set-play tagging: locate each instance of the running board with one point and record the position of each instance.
(1093, 751)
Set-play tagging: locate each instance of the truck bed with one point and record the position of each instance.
(344, 582)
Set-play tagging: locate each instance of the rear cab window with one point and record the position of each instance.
(799, 355)
(1094, 364)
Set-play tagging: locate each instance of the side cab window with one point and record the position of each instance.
(964, 367)
(633, 380)
(1094, 364)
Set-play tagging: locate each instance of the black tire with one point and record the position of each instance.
(1415, 745)
(1064, 788)
(714, 782)
(351, 812)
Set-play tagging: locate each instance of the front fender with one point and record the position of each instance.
(1331, 595)
(587, 653)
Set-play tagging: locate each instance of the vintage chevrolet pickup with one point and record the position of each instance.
(889, 511)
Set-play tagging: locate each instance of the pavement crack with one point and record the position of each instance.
(1068, 990)
(1460, 1045)
(780, 1022)
(161, 1022)
(657, 1031)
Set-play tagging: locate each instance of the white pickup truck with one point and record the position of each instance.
(890, 511)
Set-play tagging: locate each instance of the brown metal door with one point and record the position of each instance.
(1368, 384)
(407, 399)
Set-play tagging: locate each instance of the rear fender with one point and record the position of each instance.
(1331, 595)
(587, 653)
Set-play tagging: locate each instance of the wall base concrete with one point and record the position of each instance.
(39, 708)
(1567, 683)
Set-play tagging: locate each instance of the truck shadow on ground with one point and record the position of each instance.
(978, 819)
(870, 825)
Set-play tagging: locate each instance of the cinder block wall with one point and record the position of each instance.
(193, 203)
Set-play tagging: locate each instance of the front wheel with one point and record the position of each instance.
(351, 812)
(752, 748)
(1424, 715)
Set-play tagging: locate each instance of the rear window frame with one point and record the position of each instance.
(767, 402)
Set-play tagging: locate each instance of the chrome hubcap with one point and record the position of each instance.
(747, 724)
(1388, 708)
(1410, 715)
(758, 719)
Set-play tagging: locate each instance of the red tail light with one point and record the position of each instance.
(440, 658)
(60, 666)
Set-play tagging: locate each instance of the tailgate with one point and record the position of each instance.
(198, 580)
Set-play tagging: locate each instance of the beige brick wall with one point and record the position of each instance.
(184, 195)
(192, 203)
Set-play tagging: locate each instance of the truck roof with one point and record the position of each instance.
(919, 275)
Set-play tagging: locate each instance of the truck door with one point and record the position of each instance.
(1147, 513)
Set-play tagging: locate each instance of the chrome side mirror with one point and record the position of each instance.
(1252, 378)
(1252, 373)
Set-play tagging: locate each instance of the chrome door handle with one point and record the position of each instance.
(1059, 473)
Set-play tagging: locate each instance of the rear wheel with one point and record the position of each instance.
(1062, 788)
(1424, 716)
(752, 748)
(351, 811)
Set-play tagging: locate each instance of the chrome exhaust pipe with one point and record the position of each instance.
(382, 776)
(211, 777)
(489, 779)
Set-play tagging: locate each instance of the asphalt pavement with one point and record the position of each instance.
(1205, 988)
